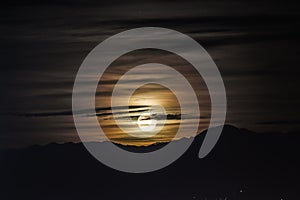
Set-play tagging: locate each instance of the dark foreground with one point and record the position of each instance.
(243, 165)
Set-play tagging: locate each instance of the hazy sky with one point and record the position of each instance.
(254, 44)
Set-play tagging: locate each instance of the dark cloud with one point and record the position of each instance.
(280, 122)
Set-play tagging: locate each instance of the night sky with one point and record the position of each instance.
(43, 43)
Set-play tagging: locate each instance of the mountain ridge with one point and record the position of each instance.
(199, 135)
(262, 166)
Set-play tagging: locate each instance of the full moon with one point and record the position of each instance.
(152, 121)
(146, 122)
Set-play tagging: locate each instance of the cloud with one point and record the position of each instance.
(280, 122)
(254, 44)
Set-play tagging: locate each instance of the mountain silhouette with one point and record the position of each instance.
(242, 165)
